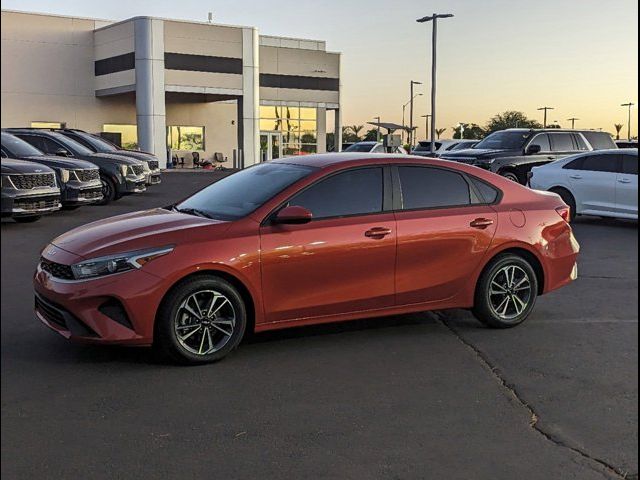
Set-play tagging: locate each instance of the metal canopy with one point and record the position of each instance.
(390, 127)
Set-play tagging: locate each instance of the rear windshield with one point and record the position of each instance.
(600, 140)
(360, 147)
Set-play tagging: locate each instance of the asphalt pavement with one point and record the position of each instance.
(432, 395)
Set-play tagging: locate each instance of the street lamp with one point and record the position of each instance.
(405, 106)
(426, 124)
(461, 128)
(545, 114)
(411, 84)
(573, 122)
(434, 35)
(629, 105)
(378, 132)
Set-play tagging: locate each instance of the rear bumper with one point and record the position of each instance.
(561, 261)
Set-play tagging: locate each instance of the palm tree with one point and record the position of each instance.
(440, 131)
(356, 130)
(618, 127)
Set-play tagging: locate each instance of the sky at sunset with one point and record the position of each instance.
(579, 56)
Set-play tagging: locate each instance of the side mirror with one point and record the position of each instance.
(533, 149)
(61, 152)
(293, 215)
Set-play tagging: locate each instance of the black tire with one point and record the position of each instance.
(70, 207)
(29, 219)
(569, 199)
(173, 316)
(510, 175)
(109, 192)
(487, 304)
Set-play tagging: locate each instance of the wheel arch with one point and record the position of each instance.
(524, 252)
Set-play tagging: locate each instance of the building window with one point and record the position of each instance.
(124, 135)
(185, 138)
(48, 125)
(298, 126)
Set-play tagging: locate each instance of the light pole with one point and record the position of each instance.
(411, 84)
(573, 122)
(426, 125)
(378, 132)
(434, 36)
(461, 128)
(629, 105)
(403, 110)
(545, 115)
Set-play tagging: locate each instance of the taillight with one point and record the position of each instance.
(565, 213)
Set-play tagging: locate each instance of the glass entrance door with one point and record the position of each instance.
(270, 146)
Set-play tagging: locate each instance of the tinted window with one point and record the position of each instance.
(360, 147)
(424, 187)
(599, 140)
(580, 142)
(379, 149)
(596, 163)
(239, 194)
(630, 164)
(504, 140)
(562, 142)
(487, 192)
(355, 192)
(34, 140)
(543, 141)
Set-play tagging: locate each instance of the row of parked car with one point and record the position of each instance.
(44, 170)
(585, 167)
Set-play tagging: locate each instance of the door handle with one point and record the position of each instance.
(481, 223)
(551, 158)
(377, 232)
(576, 177)
(624, 180)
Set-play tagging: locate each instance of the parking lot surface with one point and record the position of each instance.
(415, 396)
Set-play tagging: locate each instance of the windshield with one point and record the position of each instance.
(239, 194)
(504, 141)
(464, 145)
(19, 147)
(97, 143)
(77, 148)
(360, 147)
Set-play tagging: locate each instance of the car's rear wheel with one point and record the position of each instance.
(510, 175)
(109, 193)
(201, 320)
(28, 219)
(569, 199)
(506, 292)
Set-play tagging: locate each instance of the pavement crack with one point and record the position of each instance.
(533, 416)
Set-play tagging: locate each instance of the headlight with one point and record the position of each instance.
(123, 170)
(99, 267)
(64, 175)
(6, 182)
(145, 166)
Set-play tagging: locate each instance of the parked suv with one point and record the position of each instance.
(79, 180)
(100, 145)
(118, 175)
(372, 147)
(514, 152)
(29, 190)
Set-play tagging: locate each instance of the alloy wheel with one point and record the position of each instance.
(205, 322)
(509, 292)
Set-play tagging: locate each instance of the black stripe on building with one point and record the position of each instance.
(202, 63)
(119, 63)
(299, 82)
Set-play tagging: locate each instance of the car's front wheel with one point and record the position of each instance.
(201, 320)
(28, 219)
(510, 175)
(109, 192)
(506, 292)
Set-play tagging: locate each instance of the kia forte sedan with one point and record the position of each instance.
(307, 240)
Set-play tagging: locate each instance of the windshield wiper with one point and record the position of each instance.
(193, 211)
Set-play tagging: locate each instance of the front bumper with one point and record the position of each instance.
(116, 309)
(131, 184)
(81, 194)
(17, 203)
(153, 177)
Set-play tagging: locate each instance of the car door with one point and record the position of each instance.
(627, 184)
(592, 179)
(343, 260)
(444, 231)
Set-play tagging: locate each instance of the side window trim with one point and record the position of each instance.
(387, 195)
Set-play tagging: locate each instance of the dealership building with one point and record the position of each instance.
(169, 86)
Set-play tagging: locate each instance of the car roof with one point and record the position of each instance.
(346, 159)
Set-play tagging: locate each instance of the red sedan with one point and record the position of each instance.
(307, 240)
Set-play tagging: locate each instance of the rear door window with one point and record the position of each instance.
(630, 164)
(580, 143)
(609, 163)
(426, 187)
(562, 142)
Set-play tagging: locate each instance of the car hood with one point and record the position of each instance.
(11, 165)
(135, 231)
(99, 158)
(477, 152)
(60, 162)
(145, 157)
